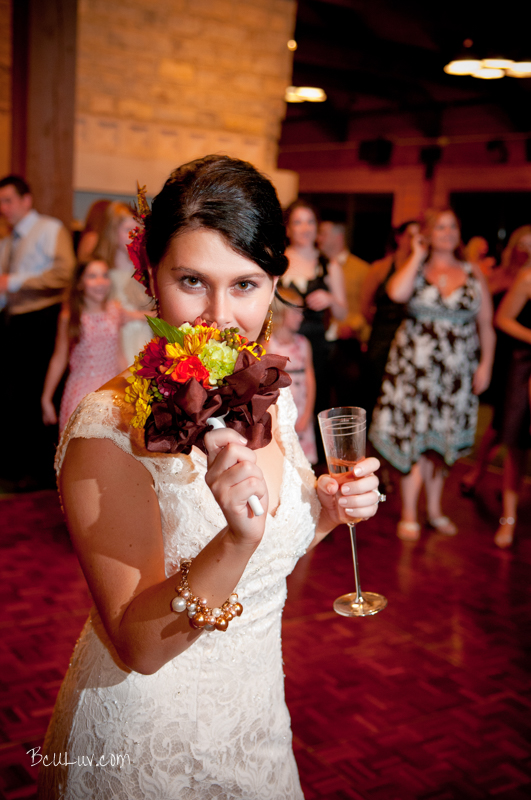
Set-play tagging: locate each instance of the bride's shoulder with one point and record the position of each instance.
(105, 413)
(111, 403)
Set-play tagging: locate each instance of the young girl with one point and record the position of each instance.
(199, 715)
(88, 341)
(286, 341)
(112, 248)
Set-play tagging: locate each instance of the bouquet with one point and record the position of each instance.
(187, 374)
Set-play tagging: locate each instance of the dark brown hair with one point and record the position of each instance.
(222, 194)
(17, 182)
(300, 203)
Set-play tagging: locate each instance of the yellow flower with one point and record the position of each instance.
(139, 395)
(194, 342)
(256, 349)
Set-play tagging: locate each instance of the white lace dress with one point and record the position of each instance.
(213, 722)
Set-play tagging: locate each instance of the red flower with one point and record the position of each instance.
(180, 420)
(153, 357)
(191, 368)
(138, 255)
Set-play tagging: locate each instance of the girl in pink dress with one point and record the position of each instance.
(286, 341)
(88, 341)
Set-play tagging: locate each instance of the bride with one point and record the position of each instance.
(151, 707)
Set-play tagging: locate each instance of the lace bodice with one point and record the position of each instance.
(212, 722)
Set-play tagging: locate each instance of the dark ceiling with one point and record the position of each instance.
(377, 59)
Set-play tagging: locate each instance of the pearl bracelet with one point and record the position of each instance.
(199, 614)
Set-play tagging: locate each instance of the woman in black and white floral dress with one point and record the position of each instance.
(440, 360)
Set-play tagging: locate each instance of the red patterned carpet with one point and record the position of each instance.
(429, 700)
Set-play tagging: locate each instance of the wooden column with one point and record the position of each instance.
(44, 65)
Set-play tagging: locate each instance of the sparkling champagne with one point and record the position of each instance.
(343, 432)
(342, 471)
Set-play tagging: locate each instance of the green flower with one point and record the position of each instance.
(219, 359)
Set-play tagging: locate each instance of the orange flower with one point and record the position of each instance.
(191, 368)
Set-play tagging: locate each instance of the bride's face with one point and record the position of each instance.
(201, 276)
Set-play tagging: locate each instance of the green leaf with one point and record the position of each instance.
(161, 328)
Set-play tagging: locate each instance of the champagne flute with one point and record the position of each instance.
(343, 432)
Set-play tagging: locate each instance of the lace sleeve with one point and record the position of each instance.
(100, 416)
(287, 416)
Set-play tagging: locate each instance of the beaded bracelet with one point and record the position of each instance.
(199, 614)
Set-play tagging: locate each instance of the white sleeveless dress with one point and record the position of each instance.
(213, 722)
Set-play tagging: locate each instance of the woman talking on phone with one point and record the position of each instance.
(440, 360)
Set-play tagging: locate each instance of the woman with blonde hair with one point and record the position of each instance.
(112, 248)
(514, 319)
(440, 360)
(516, 256)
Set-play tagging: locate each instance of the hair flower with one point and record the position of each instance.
(187, 374)
(137, 246)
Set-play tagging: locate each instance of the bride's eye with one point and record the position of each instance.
(245, 286)
(191, 280)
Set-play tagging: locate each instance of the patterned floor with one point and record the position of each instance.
(429, 700)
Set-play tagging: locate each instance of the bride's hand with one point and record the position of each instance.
(357, 498)
(233, 476)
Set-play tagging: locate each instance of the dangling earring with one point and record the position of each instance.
(269, 325)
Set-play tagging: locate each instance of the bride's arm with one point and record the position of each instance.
(113, 517)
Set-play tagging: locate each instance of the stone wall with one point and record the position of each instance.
(160, 84)
(5, 86)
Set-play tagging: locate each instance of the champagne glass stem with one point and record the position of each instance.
(352, 529)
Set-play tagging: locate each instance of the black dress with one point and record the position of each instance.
(514, 422)
(385, 324)
(314, 326)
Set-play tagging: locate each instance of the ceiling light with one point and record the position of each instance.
(291, 95)
(497, 63)
(489, 68)
(520, 69)
(292, 44)
(463, 66)
(300, 94)
(488, 74)
(312, 94)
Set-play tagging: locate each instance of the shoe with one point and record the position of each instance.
(505, 533)
(443, 525)
(408, 531)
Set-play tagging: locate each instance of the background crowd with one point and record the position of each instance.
(417, 338)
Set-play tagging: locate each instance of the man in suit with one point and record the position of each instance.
(36, 265)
